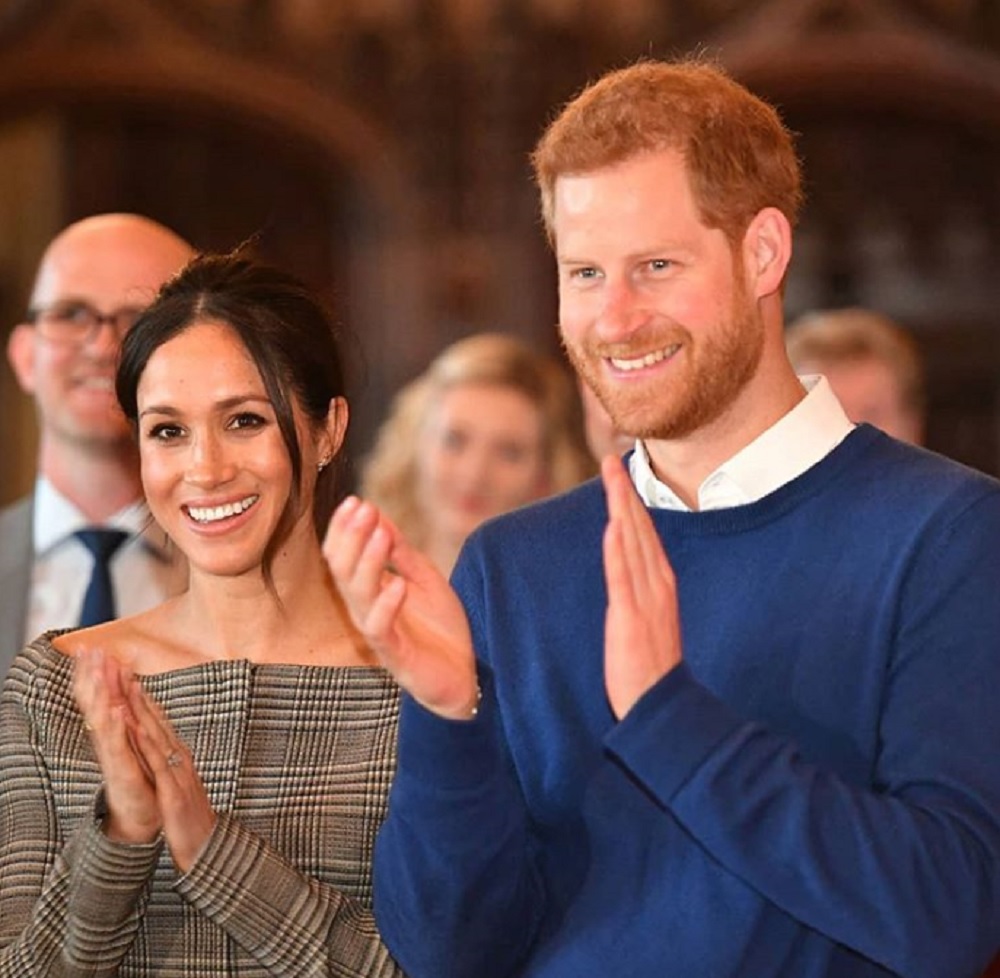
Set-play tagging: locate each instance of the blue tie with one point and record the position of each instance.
(99, 601)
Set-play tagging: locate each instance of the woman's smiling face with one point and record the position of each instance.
(215, 468)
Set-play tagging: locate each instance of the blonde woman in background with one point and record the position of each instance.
(489, 426)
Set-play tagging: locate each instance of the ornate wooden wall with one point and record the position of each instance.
(380, 149)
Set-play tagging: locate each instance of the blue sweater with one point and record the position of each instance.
(815, 791)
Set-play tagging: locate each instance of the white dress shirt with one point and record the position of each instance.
(144, 571)
(796, 442)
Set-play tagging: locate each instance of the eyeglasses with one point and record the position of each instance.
(75, 322)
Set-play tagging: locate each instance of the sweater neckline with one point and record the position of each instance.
(736, 519)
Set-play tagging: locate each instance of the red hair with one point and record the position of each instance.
(739, 155)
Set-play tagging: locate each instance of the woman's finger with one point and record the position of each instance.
(346, 536)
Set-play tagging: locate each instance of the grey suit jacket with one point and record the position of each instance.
(16, 555)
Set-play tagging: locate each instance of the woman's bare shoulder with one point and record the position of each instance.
(126, 638)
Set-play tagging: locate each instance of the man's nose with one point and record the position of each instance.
(622, 311)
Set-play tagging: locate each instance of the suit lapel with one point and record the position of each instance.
(15, 577)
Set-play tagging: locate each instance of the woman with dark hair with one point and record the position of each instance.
(196, 790)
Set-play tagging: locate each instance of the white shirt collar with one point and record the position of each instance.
(56, 518)
(795, 443)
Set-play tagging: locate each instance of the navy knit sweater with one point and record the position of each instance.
(815, 791)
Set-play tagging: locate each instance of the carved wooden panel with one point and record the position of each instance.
(391, 136)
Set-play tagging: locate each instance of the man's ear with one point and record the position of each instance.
(21, 356)
(767, 250)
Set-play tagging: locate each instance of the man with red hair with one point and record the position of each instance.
(735, 715)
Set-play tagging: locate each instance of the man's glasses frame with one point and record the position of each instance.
(75, 322)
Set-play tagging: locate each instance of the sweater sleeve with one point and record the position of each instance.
(292, 924)
(905, 869)
(456, 892)
(65, 910)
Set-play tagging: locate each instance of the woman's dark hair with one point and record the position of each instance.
(287, 333)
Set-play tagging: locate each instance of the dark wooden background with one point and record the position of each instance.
(379, 149)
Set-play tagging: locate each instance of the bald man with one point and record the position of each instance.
(94, 279)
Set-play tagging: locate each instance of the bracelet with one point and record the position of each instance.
(474, 712)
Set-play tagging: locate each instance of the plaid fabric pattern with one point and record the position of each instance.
(297, 762)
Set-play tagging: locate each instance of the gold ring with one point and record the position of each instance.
(173, 759)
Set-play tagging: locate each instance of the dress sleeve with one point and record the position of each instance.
(291, 924)
(906, 868)
(65, 909)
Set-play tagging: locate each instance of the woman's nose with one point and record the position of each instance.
(209, 464)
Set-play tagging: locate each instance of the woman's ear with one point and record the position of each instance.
(767, 250)
(331, 438)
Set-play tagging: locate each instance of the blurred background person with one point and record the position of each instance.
(384, 142)
(871, 362)
(489, 426)
(603, 438)
(195, 790)
(79, 548)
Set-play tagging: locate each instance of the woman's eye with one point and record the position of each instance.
(512, 453)
(247, 420)
(452, 440)
(164, 432)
